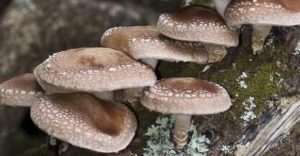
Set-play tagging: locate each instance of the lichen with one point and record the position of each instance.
(297, 49)
(159, 142)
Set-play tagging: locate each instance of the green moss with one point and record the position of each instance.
(263, 75)
(202, 2)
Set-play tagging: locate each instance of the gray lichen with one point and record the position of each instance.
(160, 144)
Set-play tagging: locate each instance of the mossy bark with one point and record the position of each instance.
(271, 75)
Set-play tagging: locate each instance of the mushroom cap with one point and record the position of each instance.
(197, 23)
(92, 70)
(293, 5)
(21, 90)
(85, 121)
(145, 42)
(186, 96)
(261, 12)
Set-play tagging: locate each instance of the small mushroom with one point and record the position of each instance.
(85, 121)
(21, 90)
(185, 97)
(200, 24)
(92, 70)
(145, 43)
(262, 15)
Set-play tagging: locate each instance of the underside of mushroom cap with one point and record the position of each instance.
(260, 12)
(21, 90)
(145, 42)
(186, 96)
(92, 70)
(85, 121)
(197, 23)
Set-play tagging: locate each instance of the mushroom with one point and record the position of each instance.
(145, 43)
(200, 24)
(262, 15)
(21, 90)
(185, 97)
(92, 70)
(85, 121)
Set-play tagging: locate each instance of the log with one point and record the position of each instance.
(272, 77)
(273, 126)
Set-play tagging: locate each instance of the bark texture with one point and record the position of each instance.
(31, 30)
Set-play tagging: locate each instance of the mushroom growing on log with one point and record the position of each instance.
(98, 70)
(185, 97)
(262, 15)
(199, 24)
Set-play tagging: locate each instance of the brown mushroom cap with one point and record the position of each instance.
(292, 5)
(186, 96)
(145, 42)
(21, 90)
(197, 23)
(85, 121)
(261, 12)
(92, 70)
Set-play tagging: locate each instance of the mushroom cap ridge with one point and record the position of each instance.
(145, 42)
(92, 70)
(85, 121)
(21, 90)
(186, 96)
(261, 12)
(197, 23)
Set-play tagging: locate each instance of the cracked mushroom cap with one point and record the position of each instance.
(85, 121)
(145, 42)
(263, 12)
(21, 90)
(197, 23)
(92, 70)
(186, 96)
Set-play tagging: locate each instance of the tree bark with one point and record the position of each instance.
(30, 34)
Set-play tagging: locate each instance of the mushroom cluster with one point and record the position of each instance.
(67, 94)
(71, 94)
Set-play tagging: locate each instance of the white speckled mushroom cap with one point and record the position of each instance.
(261, 12)
(197, 23)
(92, 70)
(186, 96)
(145, 42)
(21, 90)
(85, 121)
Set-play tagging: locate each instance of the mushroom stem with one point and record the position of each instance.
(221, 6)
(260, 32)
(180, 131)
(150, 61)
(108, 95)
(132, 95)
(215, 53)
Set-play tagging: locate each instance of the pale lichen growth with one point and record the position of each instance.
(241, 80)
(249, 106)
(226, 149)
(159, 142)
(297, 49)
